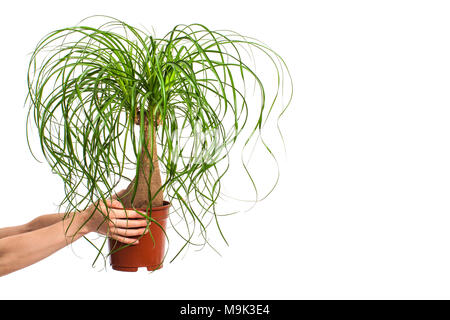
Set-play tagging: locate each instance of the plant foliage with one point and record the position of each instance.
(90, 86)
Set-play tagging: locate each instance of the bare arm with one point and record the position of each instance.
(23, 249)
(41, 221)
(37, 223)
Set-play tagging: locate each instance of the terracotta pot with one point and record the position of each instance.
(149, 252)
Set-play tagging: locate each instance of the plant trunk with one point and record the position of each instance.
(148, 171)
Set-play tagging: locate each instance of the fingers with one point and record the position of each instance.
(124, 225)
(128, 232)
(130, 214)
(124, 229)
(124, 235)
(115, 203)
(124, 240)
(128, 223)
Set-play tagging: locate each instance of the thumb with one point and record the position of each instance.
(116, 204)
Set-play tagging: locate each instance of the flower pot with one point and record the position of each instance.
(149, 252)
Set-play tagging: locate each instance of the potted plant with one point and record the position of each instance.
(114, 104)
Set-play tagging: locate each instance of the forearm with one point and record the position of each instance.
(37, 223)
(21, 250)
(10, 231)
(44, 221)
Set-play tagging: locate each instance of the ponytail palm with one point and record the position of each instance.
(115, 104)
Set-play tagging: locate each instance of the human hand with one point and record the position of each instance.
(115, 222)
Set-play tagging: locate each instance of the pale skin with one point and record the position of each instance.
(23, 245)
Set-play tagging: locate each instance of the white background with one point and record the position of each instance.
(362, 209)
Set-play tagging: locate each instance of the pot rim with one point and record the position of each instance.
(166, 205)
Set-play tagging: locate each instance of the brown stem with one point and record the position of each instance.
(149, 168)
